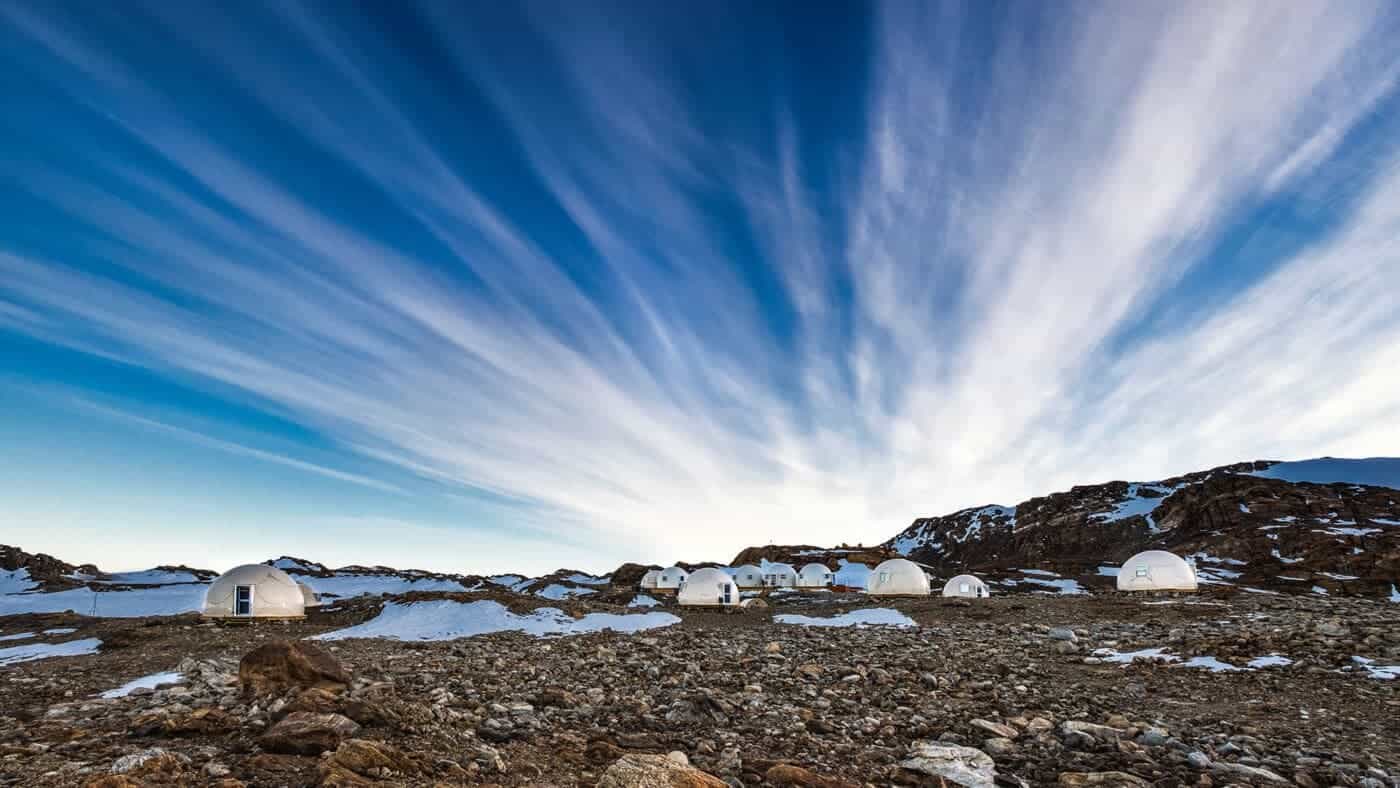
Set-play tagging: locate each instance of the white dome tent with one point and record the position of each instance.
(898, 577)
(671, 578)
(709, 587)
(650, 579)
(254, 591)
(1156, 570)
(779, 576)
(966, 586)
(814, 575)
(747, 576)
(308, 596)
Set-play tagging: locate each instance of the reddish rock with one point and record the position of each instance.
(307, 733)
(656, 771)
(790, 775)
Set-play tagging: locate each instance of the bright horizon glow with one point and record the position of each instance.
(543, 287)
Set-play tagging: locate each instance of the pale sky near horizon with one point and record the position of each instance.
(479, 289)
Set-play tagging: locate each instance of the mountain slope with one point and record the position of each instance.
(1254, 524)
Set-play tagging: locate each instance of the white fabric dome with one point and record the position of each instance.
(1156, 570)
(966, 585)
(671, 577)
(747, 576)
(779, 576)
(308, 597)
(814, 575)
(254, 591)
(898, 577)
(650, 579)
(709, 586)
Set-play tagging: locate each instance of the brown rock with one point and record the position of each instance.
(206, 720)
(655, 771)
(113, 781)
(371, 758)
(274, 667)
(787, 774)
(316, 699)
(307, 733)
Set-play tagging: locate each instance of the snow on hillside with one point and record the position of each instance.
(978, 518)
(1138, 504)
(169, 600)
(588, 580)
(556, 591)
(1372, 471)
(14, 581)
(351, 585)
(150, 577)
(288, 564)
(449, 620)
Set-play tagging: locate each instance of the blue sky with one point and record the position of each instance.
(474, 288)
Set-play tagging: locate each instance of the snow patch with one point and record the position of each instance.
(15, 581)
(1211, 664)
(145, 682)
(33, 651)
(556, 592)
(1126, 657)
(134, 603)
(1270, 661)
(150, 577)
(17, 636)
(446, 619)
(588, 580)
(1108, 571)
(875, 616)
(642, 600)
(344, 586)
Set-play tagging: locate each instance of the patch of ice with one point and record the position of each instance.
(446, 619)
(1382, 672)
(1258, 590)
(17, 636)
(61, 631)
(1041, 572)
(1339, 577)
(1244, 509)
(556, 591)
(134, 603)
(1270, 661)
(642, 600)
(1372, 471)
(15, 581)
(1275, 553)
(1319, 590)
(33, 651)
(1126, 657)
(1211, 664)
(875, 616)
(145, 682)
(1394, 593)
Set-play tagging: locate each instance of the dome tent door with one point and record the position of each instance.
(243, 600)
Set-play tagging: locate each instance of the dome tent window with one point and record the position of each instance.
(243, 600)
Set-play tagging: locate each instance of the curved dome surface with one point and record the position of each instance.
(308, 597)
(966, 586)
(814, 575)
(709, 587)
(1156, 570)
(650, 578)
(747, 576)
(897, 577)
(671, 577)
(779, 576)
(254, 591)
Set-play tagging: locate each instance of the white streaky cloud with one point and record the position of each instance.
(1012, 259)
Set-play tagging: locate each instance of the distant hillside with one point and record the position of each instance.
(1319, 526)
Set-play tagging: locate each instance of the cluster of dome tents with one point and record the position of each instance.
(266, 592)
(1152, 570)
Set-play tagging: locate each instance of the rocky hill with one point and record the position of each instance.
(1254, 524)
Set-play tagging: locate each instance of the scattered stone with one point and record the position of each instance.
(964, 766)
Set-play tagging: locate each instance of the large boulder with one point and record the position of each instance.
(276, 666)
(951, 764)
(307, 733)
(656, 771)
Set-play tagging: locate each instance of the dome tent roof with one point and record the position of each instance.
(779, 575)
(814, 575)
(966, 585)
(671, 577)
(308, 596)
(649, 578)
(273, 594)
(747, 576)
(897, 577)
(1156, 570)
(709, 586)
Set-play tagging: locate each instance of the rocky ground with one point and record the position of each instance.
(1010, 686)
